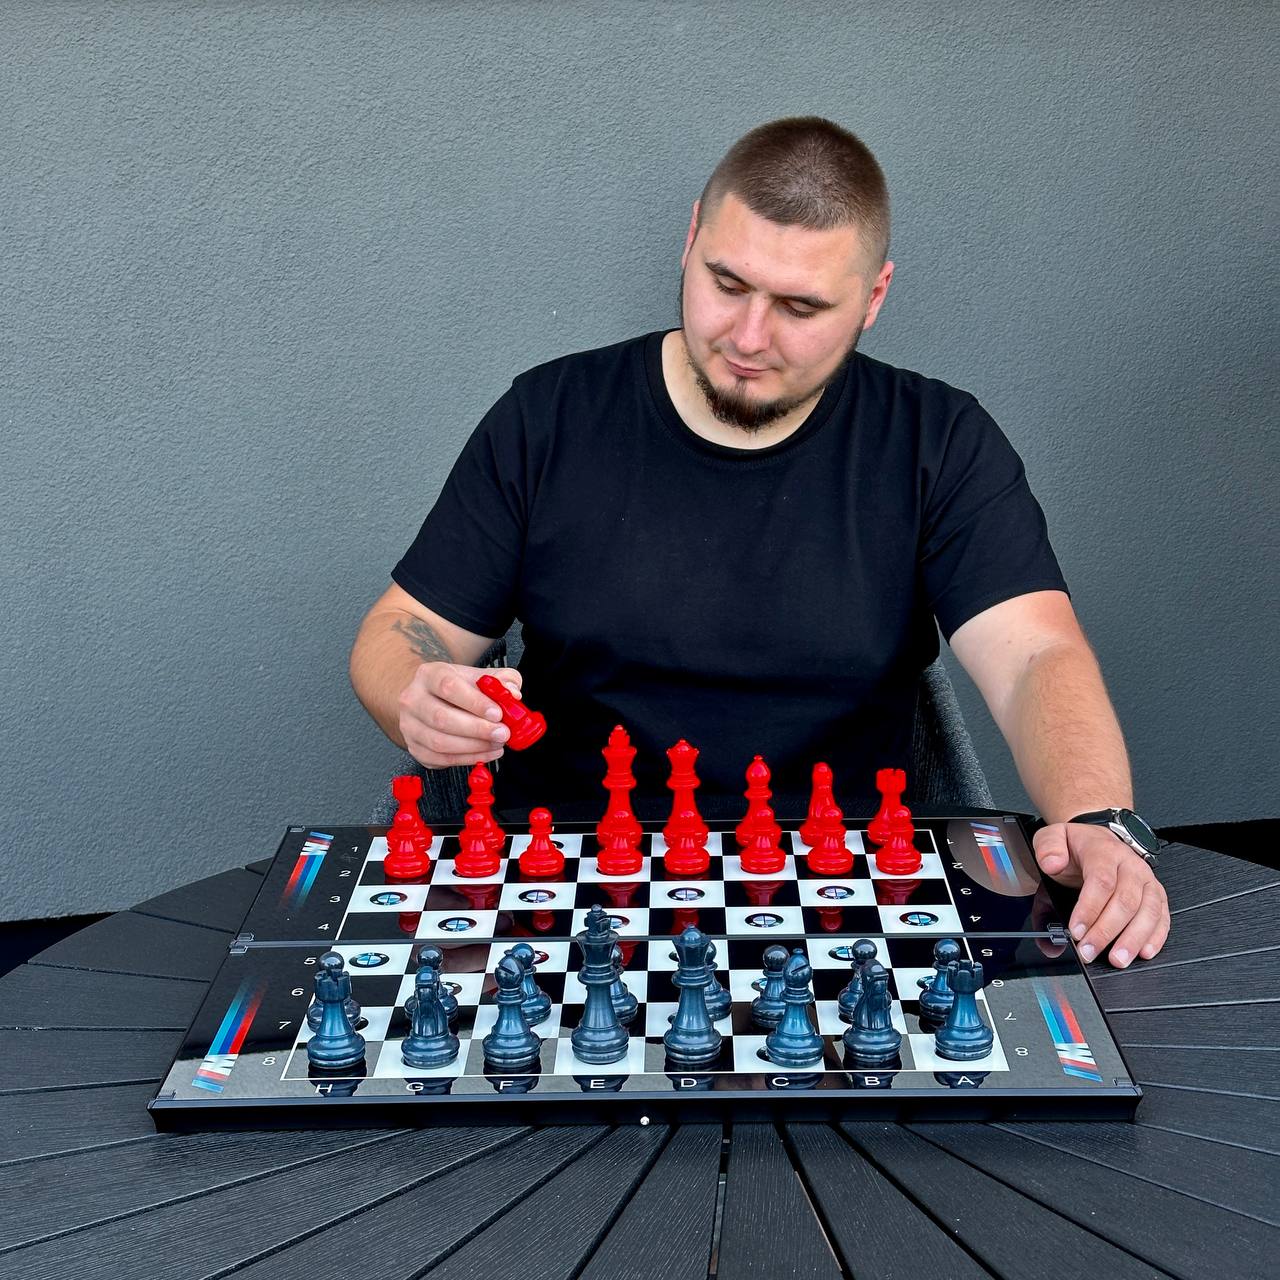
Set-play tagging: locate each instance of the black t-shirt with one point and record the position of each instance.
(778, 601)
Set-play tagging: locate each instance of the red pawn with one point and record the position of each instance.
(480, 796)
(619, 854)
(899, 857)
(406, 850)
(820, 800)
(891, 783)
(526, 726)
(687, 854)
(763, 857)
(541, 860)
(831, 856)
(475, 859)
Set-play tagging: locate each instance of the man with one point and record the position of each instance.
(741, 533)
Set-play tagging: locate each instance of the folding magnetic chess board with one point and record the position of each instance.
(244, 1059)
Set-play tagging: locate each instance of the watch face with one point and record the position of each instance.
(1139, 830)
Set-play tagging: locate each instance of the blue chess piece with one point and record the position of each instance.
(964, 1036)
(336, 1044)
(864, 952)
(768, 1007)
(334, 962)
(719, 1002)
(794, 1042)
(625, 1005)
(433, 957)
(691, 1040)
(536, 1003)
(936, 996)
(511, 1045)
(430, 1043)
(599, 1037)
(872, 1039)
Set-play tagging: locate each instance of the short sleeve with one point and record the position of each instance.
(465, 562)
(983, 535)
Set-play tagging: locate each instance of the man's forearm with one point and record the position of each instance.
(388, 651)
(1064, 735)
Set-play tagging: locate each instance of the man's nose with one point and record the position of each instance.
(751, 332)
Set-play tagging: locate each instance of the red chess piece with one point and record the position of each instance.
(541, 860)
(480, 796)
(763, 857)
(526, 726)
(619, 854)
(820, 800)
(687, 855)
(831, 856)
(758, 797)
(899, 857)
(891, 783)
(683, 782)
(406, 850)
(619, 781)
(475, 858)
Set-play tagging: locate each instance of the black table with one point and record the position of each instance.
(88, 1188)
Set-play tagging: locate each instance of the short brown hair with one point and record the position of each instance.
(808, 172)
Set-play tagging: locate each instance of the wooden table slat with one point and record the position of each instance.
(1246, 1182)
(206, 1233)
(1009, 1233)
(423, 1223)
(553, 1231)
(1228, 925)
(1194, 876)
(665, 1228)
(1246, 1072)
(770, 1229)
(869, 1217)
(1241, 1122)
(1224, 1026)
(59, 1059)
(145, 946)
(38, 996)
(1165, 1228)
(218, 902)
(51, 1121)
(1253, 976)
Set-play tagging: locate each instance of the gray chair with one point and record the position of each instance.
(944, 771)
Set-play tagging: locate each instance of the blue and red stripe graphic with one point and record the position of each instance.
(995, 854)
(213, 1071)
(305, 870)
(1073, 1051)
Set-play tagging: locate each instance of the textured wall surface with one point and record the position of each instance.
(265, 265)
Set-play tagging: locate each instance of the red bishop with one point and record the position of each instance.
(758, 797)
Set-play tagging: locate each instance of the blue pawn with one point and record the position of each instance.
(511, 1045)
(768, 1007)
(536, 1003)
(625, 1005)
(794, 1042)
(872, 1039)
(936, 995)
(964, 1036)
(719, 1001)
(433, 958)
(336, 1044)
(864, 952)
(430, 1043)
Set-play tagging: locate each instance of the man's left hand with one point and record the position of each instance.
(1120, 897)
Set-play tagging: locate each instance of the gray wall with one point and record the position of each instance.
(265, 265)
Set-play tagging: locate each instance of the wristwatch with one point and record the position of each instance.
(1128, 827)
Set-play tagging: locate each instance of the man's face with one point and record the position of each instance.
(771, 312)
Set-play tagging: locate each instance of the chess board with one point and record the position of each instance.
(244, 1058)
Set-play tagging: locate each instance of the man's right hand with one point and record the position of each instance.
(445, 720)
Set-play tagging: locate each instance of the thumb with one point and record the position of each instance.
(1051, 849)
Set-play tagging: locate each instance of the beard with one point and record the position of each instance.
(735, 409)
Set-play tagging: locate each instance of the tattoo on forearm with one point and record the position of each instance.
(426, 643)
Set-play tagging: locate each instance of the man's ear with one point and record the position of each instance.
(689, 235)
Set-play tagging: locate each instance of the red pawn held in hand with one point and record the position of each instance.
(475, 859)
(900, 857)
(831, 856)
(820, 800)
(526, 726)
(541, 860)
(620, 854)
(891, 783)
(686, 853)
(480, 796)
(763, 857)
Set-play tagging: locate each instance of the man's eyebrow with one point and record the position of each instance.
(806, 300)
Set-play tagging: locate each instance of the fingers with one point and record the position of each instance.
(445, 720)
(1145, 933)
(1135, 907)
(1054, 855)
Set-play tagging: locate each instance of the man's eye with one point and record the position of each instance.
(725, 288)
(797, 312)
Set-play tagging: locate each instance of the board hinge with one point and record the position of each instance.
(1057, 935)
(240, 944)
